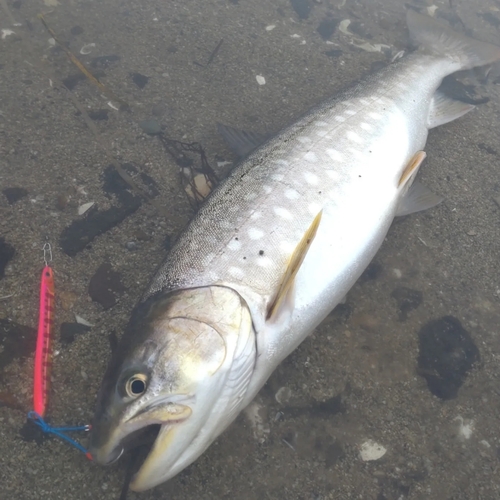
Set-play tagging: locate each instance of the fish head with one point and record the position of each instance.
(171, 371)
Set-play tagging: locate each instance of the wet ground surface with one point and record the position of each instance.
(409, 364)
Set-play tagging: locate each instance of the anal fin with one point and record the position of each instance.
(444, 109)
(293, 267)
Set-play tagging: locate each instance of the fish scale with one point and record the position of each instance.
(244, 235)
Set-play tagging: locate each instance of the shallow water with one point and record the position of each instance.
(362, 360)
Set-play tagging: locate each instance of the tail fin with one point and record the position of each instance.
(442, 40)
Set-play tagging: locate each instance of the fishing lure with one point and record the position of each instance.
(43, 357)
(43, 353)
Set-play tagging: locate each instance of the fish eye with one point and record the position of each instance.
(136, 385)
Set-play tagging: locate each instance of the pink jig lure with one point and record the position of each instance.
(43, 354)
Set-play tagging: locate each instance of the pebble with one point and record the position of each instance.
(283, 394)
(370, 450)
(85, 207)
(131, 246)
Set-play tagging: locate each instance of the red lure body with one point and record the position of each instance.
(43, 354)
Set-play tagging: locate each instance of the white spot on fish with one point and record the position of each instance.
(256, 215)
(366, 126)
(364, 102)
(352, 136)
(311, 157)
(260, 79)
(291, 194)
(320, 124)
(334, 154)
(267, 189)
(333, 174)
(263, 261)
(255, 234)
(322, 133)
(375, 116)
(314, 208)
(311, 178)
(401, 85)
(339, 119)
(277, 177)
(237, 272)
(234, 245)
(304, 140)
(283, 213)
(350, 112)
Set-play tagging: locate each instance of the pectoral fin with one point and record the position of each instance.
(411, 169)
(293, 267)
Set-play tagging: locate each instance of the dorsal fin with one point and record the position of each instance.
(241, 142)
(293, 267)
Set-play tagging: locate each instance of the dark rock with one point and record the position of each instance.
(302, 8)
(105, 285)
(16, 342)
(7, 251)
(14, 194)
(81, 232)
(407, 300)
(140, 80)
(446, 354)
(327, 27)
(69, 331)
(98, 114)
(113, 183)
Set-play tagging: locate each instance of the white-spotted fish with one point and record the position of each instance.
(271, 252)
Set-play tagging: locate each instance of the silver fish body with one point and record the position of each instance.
(344, 164)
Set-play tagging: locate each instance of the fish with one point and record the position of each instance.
(271, 252)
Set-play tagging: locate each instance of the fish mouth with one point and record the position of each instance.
(141, 430)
